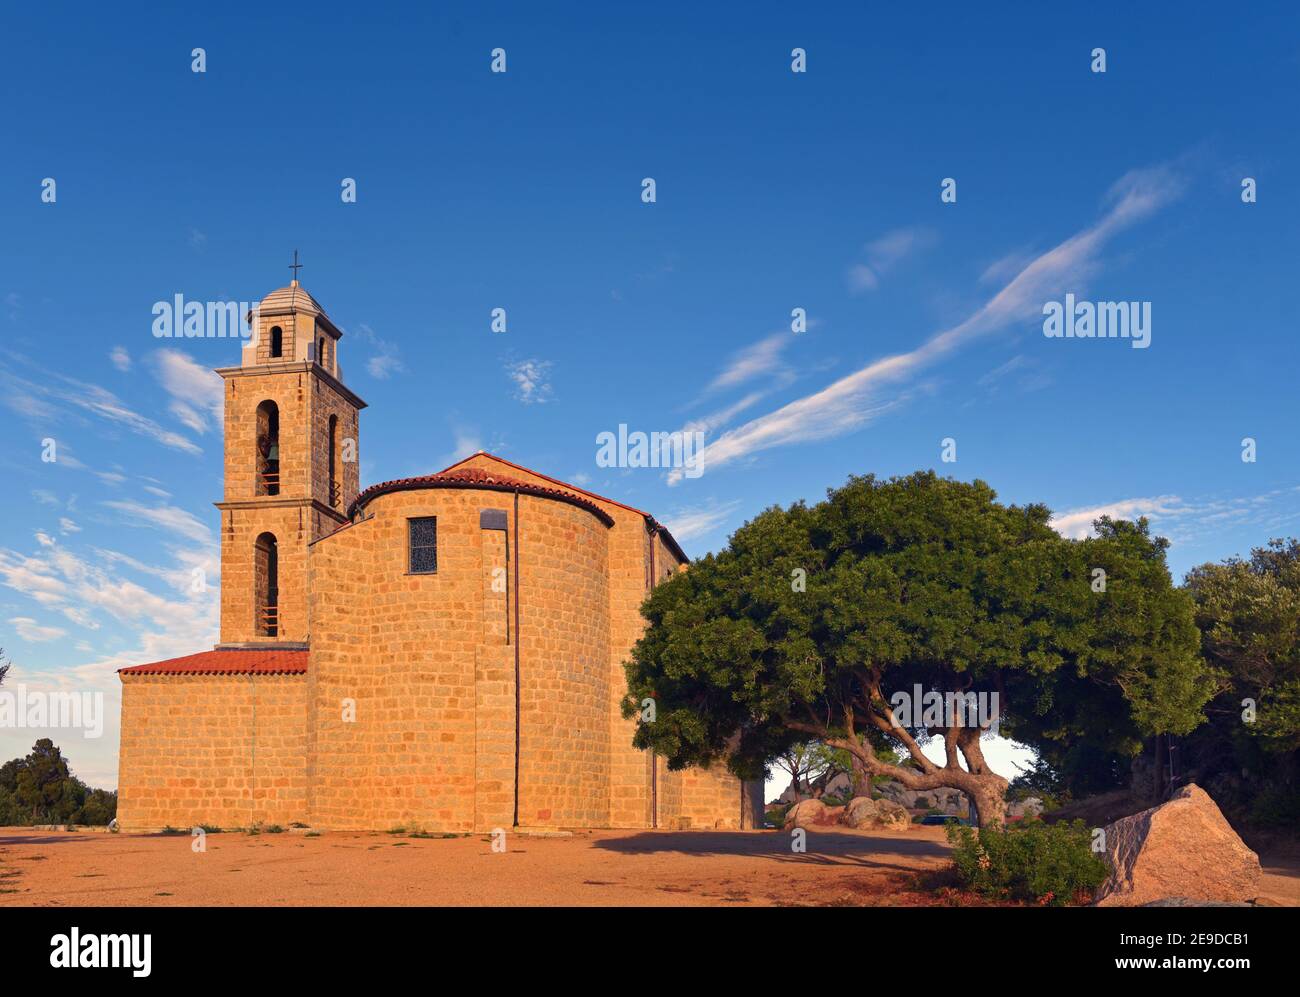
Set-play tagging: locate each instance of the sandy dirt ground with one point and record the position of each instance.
(633, 868)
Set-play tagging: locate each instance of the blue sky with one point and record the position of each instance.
(522, 191)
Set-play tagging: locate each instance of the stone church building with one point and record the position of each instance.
(443, 652)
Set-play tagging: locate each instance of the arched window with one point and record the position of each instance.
(267, 473)
(320, 353)
(266, 582)
(336, 491)
(277, 341)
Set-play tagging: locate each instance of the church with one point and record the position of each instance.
(441, 653)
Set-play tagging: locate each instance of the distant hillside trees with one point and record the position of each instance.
(40, 789)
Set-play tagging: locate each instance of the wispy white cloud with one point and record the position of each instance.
(29, 630)
(714, 421)
(883, 253)
(56, 393)
(1077, 523)
(384, 366)
(120, 358)
(1020, 369)
(164, 517)
(532, 379)
(686, 524)
(196, 391)
(386, 360)
(163, 624)
(755, 360)
(467, 442)
(859, 398)
(1186, 521)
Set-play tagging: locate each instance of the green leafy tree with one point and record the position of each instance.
(814, 618)
(1248, 612)
(802, 763)
(43, 781)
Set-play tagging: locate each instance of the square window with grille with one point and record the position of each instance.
(423, 537)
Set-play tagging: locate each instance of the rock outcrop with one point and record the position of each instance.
(1184, 848)
(867, 813)
(812, 814)
(943, 799)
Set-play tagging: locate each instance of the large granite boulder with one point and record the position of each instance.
(1183, 848)
(867, 813)
(943, 799)
(812, 813)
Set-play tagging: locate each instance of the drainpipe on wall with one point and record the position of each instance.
(518, 689)
(654, 760)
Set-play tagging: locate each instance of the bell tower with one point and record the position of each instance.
(291, 452)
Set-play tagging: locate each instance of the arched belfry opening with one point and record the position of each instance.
(268, 449)
(277, 342)
(266, 582)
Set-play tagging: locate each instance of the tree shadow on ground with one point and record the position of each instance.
(43, 838)
(822, 847)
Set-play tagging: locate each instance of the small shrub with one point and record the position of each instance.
(776, 815)
(1051, 864)
(274, 829)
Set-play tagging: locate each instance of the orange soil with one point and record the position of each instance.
(588, 868)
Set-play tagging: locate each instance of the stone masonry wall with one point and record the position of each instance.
(426, 660)
(709, 798)
(228, 751)
(564, 640)
(290, 523)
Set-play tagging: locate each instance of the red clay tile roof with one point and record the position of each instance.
(651, 523)
(473, 477)
(226, 663)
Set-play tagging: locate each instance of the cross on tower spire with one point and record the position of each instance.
(295, 266)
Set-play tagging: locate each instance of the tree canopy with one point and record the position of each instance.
(1248, 612)
(40, 789)
(814, 620)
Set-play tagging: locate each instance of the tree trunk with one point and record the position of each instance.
(985, 787)
(989, 796)
(860, 776)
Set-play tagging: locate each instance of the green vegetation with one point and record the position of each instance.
(1050, 864)
(1246, 751)
(40, 789)
(814, 617)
